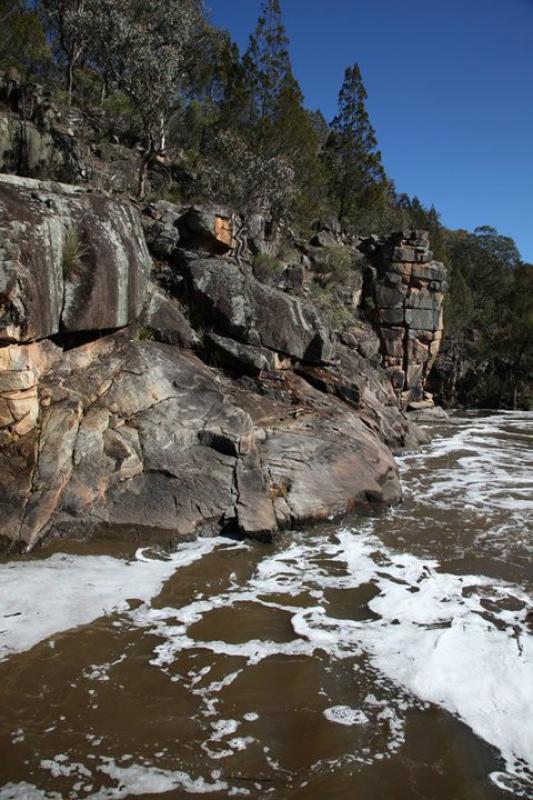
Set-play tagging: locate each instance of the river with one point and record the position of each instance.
(390, 657)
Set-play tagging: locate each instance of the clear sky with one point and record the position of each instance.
(450, 86)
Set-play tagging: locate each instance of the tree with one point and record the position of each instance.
(512, 348)
(352, 157)
(278, 127)
(69, 22)
(236, 175)
(23, 42)
(489, 315)
(290, 134)
(267, 62)
(145, 47)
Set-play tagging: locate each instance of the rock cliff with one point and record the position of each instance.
(406, 289)
(167, 395)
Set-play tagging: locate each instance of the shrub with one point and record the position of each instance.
(74, 251)
(145, 334)
(337, 262)
(266, 267)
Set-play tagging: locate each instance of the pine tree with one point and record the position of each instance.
(277, 126)
(267, 61)
(356, 172)
(293, 135)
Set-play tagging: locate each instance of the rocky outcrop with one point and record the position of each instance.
(70, 261)
(406, 288)
(239, 306)
(142, 439)
(165, 322)
(210, 402)
(168, 226)
(34, 139)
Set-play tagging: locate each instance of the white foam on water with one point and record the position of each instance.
(222, 728)
(132, 780)
(60, 768)
(241, 742)
(492, 470)
(344, 715)
(434, 637)
(433, 640)
(40, 598)
(26, 791)
(140, 779)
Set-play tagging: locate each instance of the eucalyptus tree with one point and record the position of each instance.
(70, 24)
(145, 48)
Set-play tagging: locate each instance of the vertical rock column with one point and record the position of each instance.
(407, 289)
(20, 369)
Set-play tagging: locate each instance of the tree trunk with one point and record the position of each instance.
(143, 169)
(103, 91)
(70, 79)
(501, 390)
(162, 136)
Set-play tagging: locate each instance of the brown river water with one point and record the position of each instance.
(387, 657)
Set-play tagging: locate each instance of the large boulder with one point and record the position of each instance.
(141, 438)
(238, 306)
(207, 228)
(70, 261)
(165, 321)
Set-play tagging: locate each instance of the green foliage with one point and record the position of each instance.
(325, 296)
(73, 252)
(489, 309)
(336, 262)
(267, 62)
(69, 29)
(292, 135)
(266, 267)
(233, 173)
(351, 156)
(273, 120)
(23, 44)
(145, 333)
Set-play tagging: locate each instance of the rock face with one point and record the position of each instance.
(70, 261)
(34, 140)
(406, 288)
(239, 306)
(141, 438)
(211, 402)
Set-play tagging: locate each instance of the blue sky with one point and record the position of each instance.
(450, 86)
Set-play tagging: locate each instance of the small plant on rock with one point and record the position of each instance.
(145, 333)
(74, 251)
(335, 262)
(266, 267)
